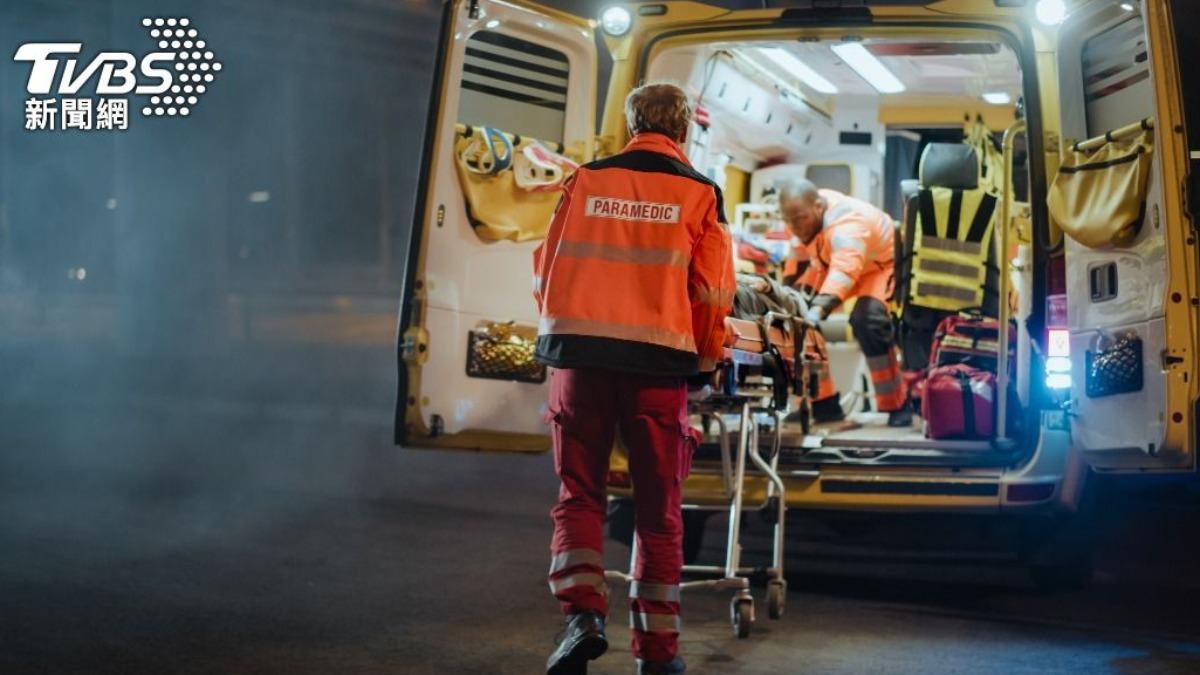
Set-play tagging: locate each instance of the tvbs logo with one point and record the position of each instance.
(169, 82)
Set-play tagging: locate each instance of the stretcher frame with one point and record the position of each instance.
(747, 401)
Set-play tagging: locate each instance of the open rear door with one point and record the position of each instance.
(513, 106)
(1136, 410)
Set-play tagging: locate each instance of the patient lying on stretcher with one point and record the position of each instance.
(756, 295)
(766, 318)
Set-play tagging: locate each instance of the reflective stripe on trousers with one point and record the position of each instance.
(585, 410)
(890, 393)
(571, 582)
(872, 325)
(656, 592)
(654, 623)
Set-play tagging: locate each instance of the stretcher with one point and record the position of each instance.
(764, 366)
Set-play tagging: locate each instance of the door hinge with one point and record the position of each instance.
(408, 348)
(414, 346)
(473, 9)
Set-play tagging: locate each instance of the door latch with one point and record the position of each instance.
(1169, 360)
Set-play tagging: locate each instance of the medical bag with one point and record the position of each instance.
(958, 402)
(969, 338)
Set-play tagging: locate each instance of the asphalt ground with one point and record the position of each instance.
(157, 539)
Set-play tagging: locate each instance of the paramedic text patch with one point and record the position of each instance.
(621, 209)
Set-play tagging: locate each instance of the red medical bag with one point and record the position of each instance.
(971, 339)
(959, 402)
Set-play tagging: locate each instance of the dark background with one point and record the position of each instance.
(225, 364)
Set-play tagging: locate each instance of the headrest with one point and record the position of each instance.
(951, 165)
(909, 187)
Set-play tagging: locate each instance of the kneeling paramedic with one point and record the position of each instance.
(633, 283)
(850, 247)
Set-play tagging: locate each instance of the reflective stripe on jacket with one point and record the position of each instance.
(636, 271)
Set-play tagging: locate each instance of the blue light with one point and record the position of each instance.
(1058, 364)
(1058, 381)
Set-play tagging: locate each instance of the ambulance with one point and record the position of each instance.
(1073, 116)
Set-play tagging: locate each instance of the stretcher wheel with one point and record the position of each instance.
(776, 598)
(742, 615)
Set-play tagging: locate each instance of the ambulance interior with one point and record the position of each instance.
(852, 113)
(855, 117)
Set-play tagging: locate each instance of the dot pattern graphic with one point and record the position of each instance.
(178, 36)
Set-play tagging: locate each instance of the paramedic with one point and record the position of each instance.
(850, 247)
(633, 283)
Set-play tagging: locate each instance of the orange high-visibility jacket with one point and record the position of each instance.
(852, 256)
(636, 272)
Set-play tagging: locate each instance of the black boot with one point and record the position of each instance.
(901, 418)
(673, 667)
(583, 640)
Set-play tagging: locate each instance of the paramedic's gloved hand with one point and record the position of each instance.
(822, 306)
(815, 316)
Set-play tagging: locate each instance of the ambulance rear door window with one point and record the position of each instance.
(514, 85)
(1116, 77)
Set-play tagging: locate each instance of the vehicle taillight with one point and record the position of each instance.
(1058, 344)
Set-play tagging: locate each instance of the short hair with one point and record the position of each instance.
(660, 108)
(792, 188)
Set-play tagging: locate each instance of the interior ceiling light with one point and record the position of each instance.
(1128, 7)
(794, 66)
(868, 67)
(1050, 12)
(997, 98)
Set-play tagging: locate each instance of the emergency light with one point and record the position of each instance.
(1050, 12)
(616, 21)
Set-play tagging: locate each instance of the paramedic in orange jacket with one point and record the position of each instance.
(633, 283)
(850, 246)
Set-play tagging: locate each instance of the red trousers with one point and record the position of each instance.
(587, 407)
